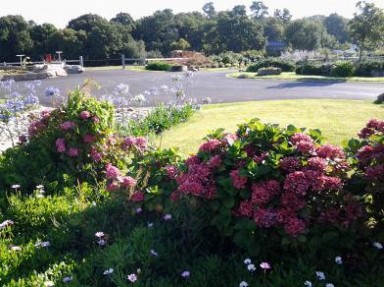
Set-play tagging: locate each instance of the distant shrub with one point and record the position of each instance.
(342, 69)
(369, 68)
(316, 69)
(158, 66)
(284, 65)
(268, 71)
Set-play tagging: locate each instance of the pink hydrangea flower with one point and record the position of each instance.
(113, 186)
(89, 138)
(95, 155)
(128, 181)
(210, 146)
(138, 196)
(68, 125)
(112, 171)
(330, 152)
(60, 145)
(238, 181)
(85, 115)
(73, 152)
(294, 226)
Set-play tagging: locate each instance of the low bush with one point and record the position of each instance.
(342, 69)
(158, 66)
(316, 69)
(268, 71)
(369, 68)
(284, 65)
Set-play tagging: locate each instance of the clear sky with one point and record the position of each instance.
(60, 12)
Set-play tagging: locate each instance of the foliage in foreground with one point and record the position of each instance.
(266, 206)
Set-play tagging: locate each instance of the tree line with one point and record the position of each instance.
(208, 31)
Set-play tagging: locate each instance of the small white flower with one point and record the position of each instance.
(108, 271)
(247, 261)
(99, 234)
(338, 260)
(185, 274)
(153, 252)
(377, 245)
(67, 279)
(167, 217)
(243, 284)
(329, 285)
(6, 223)
(150, 224)
(49, 284)
(101, 242)
(139, 210)
(251, 267)
(320, 275)
(40, 186)
(308, 284)
(15, 186)
(132, 277)
(265, 265)
(45, 244)
(16, 248)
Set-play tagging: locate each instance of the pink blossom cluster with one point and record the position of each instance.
(238, 181)
(116, 180)
(371, 155)
(211, 145)
(136, 143)
(84, 115)
(303, 143)
(67, 125)
(36, 127)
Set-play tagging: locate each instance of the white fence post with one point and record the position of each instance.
(81, 61)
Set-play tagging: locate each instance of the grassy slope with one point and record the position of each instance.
(337, 119)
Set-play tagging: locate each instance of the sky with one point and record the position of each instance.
(60, 12)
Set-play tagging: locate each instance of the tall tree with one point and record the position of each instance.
(284, 16)
(336, 26)
(209, 9)
(14, 37)
(305, 34)
(239, 10)
(259, 9)
(367, 26)
(41, 36)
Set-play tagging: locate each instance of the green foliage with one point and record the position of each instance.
(308, 68)
(368, 68)
(158, 66)
(159, 120)
(342, 69)
(284, 65)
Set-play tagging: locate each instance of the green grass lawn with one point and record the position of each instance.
(337, 119)
(293, 76)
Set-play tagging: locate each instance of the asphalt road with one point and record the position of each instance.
(216, 86)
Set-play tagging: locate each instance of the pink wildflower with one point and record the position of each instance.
(141, 143)
(245, 209)
(317, 164)
(260, 195)
(290, 164)
(229, 139)
(264, 217)
(60, 145)
(46, 114)
(214, 161)
(95, 155)
(172, 171)
(85, 115)
(297, 183)
(113, 186)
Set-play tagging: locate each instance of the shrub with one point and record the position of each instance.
(158, 66)
(268, 71)
(342, 69)
(284, 65)
(369, 68)
(316, 69)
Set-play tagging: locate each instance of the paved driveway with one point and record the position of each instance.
(217, 86)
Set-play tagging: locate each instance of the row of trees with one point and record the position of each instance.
(210, 31)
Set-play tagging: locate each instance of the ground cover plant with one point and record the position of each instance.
(264, 205)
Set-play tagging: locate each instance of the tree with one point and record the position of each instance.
(284, 16)
(239, 10)
(274, 29)
(304, 34)
(180, 44)
(41, 36)
(14, 37)
(259, 9)
(367, 26)
(209, 9)
(336, 26)
(125, 20)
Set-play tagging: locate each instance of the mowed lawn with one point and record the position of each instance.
(338, 120)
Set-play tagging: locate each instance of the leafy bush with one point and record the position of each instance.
(368, 68)
(342, 69)
(316, 69)
(159, 120)
(158, 66)
(268, 71)
(284, 65)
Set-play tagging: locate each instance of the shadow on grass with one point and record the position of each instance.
(308, 82)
